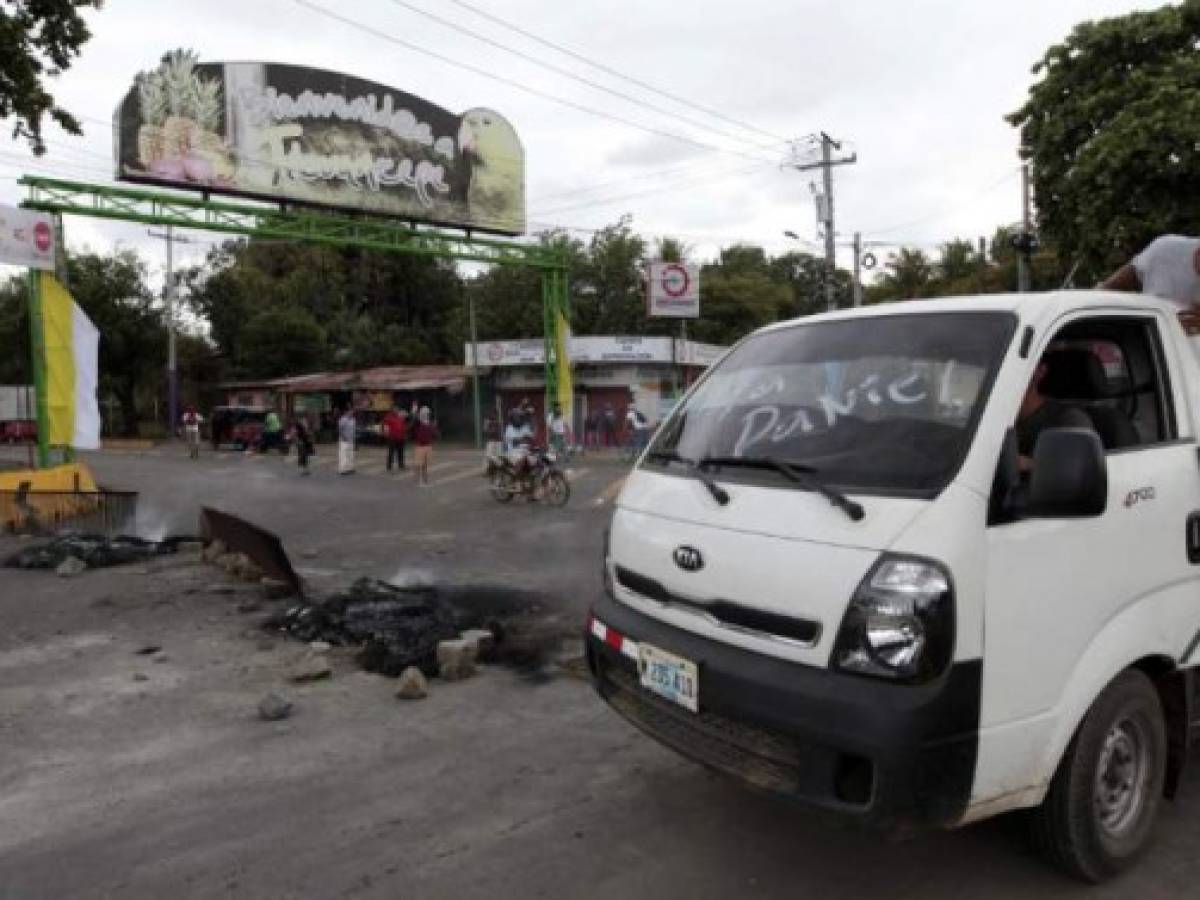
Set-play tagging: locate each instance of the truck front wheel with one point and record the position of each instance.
(1100, 810)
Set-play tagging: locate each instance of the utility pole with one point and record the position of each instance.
(169, 295)
(858, 289)
(474, 367)
(982, 264)
(826, 164)
(1024, 251)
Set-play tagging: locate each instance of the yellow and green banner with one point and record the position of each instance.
(563, 391)
(69, 360)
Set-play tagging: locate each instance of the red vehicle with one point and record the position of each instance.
(241, 427)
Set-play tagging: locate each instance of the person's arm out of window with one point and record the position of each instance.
(1124, 279)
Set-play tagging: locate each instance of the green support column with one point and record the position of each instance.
(551, 365)
(37, 347)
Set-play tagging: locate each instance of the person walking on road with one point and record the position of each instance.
(556, 429)
(304, 444)
(395, 429)
(591, 431)
(423, 436)
(347, 433)
(272, 434)
(191, 428)
(608, 425)
(638, 429)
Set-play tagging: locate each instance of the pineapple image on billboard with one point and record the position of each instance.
(291, 133)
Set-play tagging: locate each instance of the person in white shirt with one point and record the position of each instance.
(556, 429)
(638, 426)
(518, 436)
(1168, 268)
(517, 433)
(191, 427)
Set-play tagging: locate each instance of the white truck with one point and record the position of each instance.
(864, 565)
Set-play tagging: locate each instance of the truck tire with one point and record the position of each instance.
(1099, 812)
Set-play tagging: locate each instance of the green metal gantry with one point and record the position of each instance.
(264, 221)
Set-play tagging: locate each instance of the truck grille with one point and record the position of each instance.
(725, 612)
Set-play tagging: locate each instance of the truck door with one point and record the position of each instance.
(1055, 585)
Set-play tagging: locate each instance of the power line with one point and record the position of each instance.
(613, 72)
(690, 169)
(566, 73)
(743, 170)
(536, 92)
(958, 205)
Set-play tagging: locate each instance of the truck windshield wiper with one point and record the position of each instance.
(718, 493)
(800, 473)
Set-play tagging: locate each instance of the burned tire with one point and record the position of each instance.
(558, 489)
(502, 487)
(1100, 810)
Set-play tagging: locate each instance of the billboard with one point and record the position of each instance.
(291, 133)
(673, 291)
(26, 238)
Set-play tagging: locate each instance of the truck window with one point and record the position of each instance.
(887, 403)
(1112, 367)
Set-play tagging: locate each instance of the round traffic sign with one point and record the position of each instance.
(675, 280)
(42, 236)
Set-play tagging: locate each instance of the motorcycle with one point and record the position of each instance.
(537, 477)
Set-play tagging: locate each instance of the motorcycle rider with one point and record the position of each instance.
(518, 438)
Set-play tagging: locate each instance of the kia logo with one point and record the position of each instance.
(688, 558)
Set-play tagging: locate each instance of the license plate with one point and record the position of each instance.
(669, 676)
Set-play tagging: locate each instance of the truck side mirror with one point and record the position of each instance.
(1070, 477)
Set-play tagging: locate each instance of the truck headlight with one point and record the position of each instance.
(900, 623)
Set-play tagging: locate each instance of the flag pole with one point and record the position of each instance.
(37, 341)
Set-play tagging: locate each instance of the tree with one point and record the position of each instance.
(282, 340)
(14, 332)
(672, 250)
(805, 274)
(734, 302)
(959, 260)
(611, 296)
(908, 274)
(371, 308)
(1113, 132)
(38, 40)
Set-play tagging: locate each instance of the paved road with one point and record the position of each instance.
(121, 777)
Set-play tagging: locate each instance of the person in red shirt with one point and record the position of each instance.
(424, 434)
(395, 429)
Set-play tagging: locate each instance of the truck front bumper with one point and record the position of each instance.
(896, 756)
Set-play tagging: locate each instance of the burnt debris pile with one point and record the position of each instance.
(395, 627)
(94, 550)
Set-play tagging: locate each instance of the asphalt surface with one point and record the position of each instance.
(126, 777)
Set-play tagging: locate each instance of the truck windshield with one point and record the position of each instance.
(886, 403)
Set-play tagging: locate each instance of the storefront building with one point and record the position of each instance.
(608, 373)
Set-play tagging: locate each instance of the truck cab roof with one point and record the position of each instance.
(1031, 308)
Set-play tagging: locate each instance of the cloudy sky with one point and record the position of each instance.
(692, 148)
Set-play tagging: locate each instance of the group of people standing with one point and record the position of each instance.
(399, 427)
(602, 428)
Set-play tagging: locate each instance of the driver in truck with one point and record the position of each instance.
(1039, 412)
